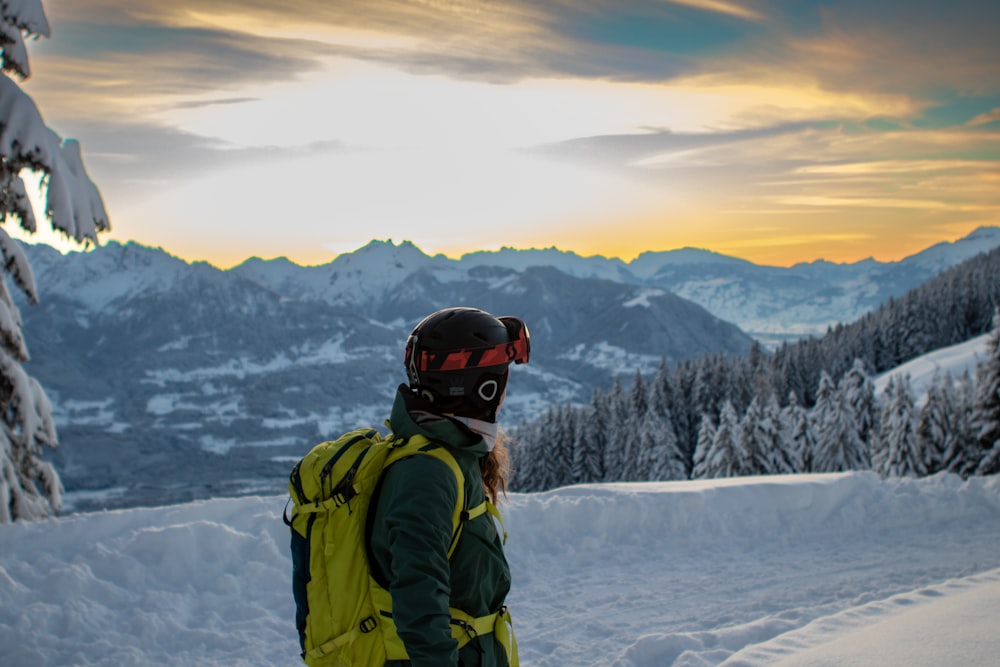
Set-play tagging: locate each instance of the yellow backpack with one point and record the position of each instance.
(343, 616)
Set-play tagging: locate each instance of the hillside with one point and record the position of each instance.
(154, 365)
(158, 366)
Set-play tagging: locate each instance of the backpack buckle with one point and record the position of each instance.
(368, 624)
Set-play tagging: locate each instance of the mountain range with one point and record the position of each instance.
(173, 380)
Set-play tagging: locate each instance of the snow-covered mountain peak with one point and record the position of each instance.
(109, 271)
(649, 264)
(989, 235)
(948, 253)
(370, 271)
(274, 264)
(766, 301)
(568, 262)
(376, 251)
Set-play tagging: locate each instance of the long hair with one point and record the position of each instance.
(495, 468)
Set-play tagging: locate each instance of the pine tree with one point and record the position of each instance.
(986, 410)
(30, 487)
(615, 449)
(524, 464)
(686, 418)
(933, 423)
(961, 453)
(756, 436)
(859, 393)
(779, 450)
(944, 426)
(591, 437)
(838, 445)
(636, 422)
(799, 436)
(662, 458)
(706, 434)
(723, 458)
(898, 452)
(666, 459)
(560, 444)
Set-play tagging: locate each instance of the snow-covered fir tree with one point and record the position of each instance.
(614, 452)
(562, 442)
(799, 436)
(590, 441)
(944, 426)
(897, 450)
(686, 415)
(29, 486)
(706, 435)
(664, 459)
(636, 433)
(757, 434)
(986, 409)
(859, 394)
(660, 457)
(838, 443)
(782, 457)
(724, 457)
(540, 452)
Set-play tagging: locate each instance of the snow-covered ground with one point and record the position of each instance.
(842, 569)
(955, 359)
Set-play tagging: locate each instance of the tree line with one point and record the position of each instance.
(810, 406)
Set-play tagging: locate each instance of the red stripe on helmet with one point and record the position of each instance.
(456, 360)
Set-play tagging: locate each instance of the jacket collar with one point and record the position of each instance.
(411, 416)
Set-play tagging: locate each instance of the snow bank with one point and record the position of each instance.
(751, 572)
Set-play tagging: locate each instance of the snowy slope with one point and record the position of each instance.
(955, 359)
(792, 570)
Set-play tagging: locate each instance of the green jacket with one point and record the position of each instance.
(411, 532)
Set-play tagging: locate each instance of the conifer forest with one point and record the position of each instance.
(808, 406)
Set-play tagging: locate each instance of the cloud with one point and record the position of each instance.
(92, 77)
(985, 118)
(920, 49)
(142, 156)
(722, 7)
(195, 104)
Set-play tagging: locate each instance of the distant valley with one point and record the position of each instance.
(172, 380)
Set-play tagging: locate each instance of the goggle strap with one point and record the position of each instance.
(455, 360)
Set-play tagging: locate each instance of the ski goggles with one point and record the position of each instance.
(517, 350)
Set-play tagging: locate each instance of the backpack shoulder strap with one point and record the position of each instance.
(419, 445)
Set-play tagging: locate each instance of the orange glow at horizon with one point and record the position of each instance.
(766, 247)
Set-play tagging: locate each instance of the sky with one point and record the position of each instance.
(841, 570)
(773, 130)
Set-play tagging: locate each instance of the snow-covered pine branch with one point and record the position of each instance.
(29, 487)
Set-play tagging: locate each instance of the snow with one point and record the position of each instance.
(568, 262)
(837, 569)
(331, 351)
(73, 203)
(955, 359)
(641, 299)
(613, 358)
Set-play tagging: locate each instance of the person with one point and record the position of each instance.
(457, 362)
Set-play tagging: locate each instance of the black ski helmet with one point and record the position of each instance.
(457, 360)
